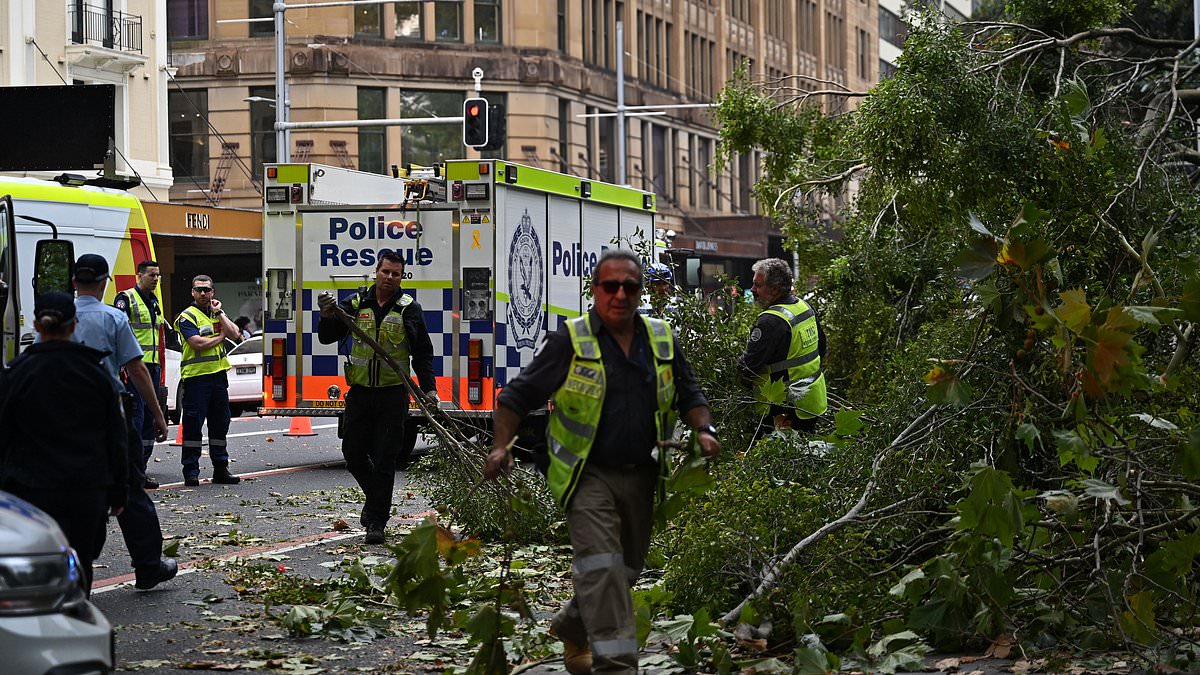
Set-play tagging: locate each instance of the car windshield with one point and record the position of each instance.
(249, 346)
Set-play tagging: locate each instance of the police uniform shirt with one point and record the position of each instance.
(769, 342)
(106, 328)
(150, 300)
(626, 432)
(420, 347)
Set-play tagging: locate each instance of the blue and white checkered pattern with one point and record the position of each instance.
(328, 360)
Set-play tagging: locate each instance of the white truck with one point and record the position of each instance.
(496, 253)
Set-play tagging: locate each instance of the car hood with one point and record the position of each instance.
(26, 529)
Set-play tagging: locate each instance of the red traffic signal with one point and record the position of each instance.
(475, 122)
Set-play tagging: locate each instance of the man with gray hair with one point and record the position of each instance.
(786, 344)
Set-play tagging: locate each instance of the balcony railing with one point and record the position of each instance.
(112, 29)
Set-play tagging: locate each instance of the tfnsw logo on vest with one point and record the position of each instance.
(526, 284)
(359, 243)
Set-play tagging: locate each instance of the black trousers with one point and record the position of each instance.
(372, 437)
(80, 513)
(139, 521)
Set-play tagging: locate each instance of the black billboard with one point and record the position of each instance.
(56, 127)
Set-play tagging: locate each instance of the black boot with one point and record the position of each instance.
(221, 476)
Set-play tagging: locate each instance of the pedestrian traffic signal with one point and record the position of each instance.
(497, 127)
(475, 122)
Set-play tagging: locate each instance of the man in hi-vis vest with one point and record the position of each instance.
(140, 304)
(617, 381)
(203, 328)
(787, 344)
(377, 403)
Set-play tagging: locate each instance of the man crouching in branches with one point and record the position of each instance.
(786, 344)
(606, 464)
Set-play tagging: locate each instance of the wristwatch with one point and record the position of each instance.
(707, 429)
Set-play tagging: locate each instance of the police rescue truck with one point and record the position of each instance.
(496, 253)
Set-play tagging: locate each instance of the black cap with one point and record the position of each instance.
(57, 302)
(91, 267)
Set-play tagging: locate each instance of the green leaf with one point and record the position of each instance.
(848, 422)
(171, 549)
(1139, 621)
(1072, 448)
(1188, 461)
(978, 260)
(992, 508)
(810, 661)
(1075, 95)
(1148, 315)
(1074, 310)
(1190, 302)
(1103, 491)
(1029, 433)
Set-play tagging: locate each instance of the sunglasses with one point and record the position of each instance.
(202, 289)
(631, 287)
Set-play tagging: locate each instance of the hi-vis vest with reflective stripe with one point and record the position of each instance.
(144, 328)
(364, 366)
(578, 403)
(208, 361)
(806, 382)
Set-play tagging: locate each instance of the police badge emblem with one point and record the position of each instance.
(526, 284)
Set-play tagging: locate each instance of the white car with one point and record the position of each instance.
(245, 375)
(47, 625)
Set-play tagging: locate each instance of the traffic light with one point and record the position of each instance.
(497, 128)
(475, 122)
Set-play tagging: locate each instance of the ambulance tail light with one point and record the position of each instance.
(278, 369)
(475, 371)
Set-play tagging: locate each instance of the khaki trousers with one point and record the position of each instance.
(610, 520)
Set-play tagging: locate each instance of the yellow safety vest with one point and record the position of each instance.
(578, 404)
(195, 363)
(145, 328)
(365, 367)
(806, 381)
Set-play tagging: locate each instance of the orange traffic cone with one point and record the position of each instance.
(300, 426)
(179, 435)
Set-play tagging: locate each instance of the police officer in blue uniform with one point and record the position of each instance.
(106, 328)
(140, 304)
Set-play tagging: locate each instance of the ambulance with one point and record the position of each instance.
(496, 253)
(104, 221)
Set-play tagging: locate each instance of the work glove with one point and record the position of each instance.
(327, 303)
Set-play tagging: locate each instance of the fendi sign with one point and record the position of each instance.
(196, 221)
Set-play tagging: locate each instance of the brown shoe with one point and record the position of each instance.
(577, 659)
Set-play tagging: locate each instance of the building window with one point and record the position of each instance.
(425, 145)
(659, 174)
(608, 149)
(562, 26)
(886, 70)
(447, 21)
(187, 111)
(408, 21)
(891, 28)
(745, 181)
(262, 127)
(187, 19)
(703, 160)
(372, 141)
(487, 21)
(564, 135)
(261, 9)
(368, 21)
(806, 28)
(864, 54)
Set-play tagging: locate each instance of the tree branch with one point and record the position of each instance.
(772, 574)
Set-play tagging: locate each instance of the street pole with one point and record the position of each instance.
(622, 177)
(283, 152)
